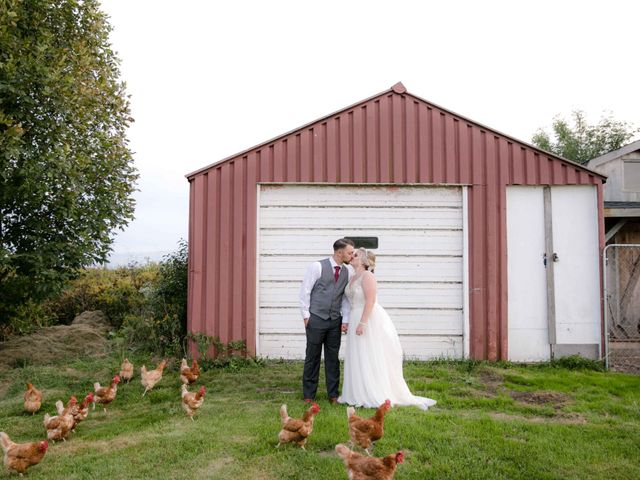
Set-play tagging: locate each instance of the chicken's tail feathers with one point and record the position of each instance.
(96, 386)
(6, 441)
(59, 407)
(343, 451)
(350, 412)
(284, 416)
(143, 369)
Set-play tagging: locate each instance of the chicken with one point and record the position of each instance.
(82, 411)
(360, 467)
(365, 431)
(297, 430)
(72, 409)
(32, 399)
(59, 426)
(105, 395)
(192, 401)
(151, 377)
(20, 456)
(126, 370)
(189, 375)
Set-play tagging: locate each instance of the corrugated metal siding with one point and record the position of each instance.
(393, 138)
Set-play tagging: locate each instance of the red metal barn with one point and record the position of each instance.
(488, 248)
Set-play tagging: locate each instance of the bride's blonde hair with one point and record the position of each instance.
(368, 259)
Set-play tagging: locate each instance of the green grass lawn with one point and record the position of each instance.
(491, 421)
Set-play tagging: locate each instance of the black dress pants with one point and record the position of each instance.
(321, 333)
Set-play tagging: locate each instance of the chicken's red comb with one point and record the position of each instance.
(400, 457)
(202, 390)
(73, 399)
(315, 408)
(387, 403)
(89, 396)
(44, 445)
(116, 379)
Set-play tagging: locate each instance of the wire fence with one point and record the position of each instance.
(622, 306)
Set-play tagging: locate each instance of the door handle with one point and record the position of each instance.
(554, 258)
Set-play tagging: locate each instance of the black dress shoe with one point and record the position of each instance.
(308, 400)
(333, 400)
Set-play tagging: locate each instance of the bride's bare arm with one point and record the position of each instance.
(370, 287)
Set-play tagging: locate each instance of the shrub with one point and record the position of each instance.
(232, 356)
(146, 333)
(29, 317)
(169, 295)
(577, 362)
(146, 304)
(117, 292)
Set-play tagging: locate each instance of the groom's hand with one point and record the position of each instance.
(306, 322)
(345, 327)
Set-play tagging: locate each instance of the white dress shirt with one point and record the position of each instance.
(313, 274)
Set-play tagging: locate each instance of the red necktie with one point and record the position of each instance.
(336, 274)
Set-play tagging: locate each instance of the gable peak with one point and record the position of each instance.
(399, 88)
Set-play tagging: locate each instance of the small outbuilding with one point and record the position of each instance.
(622, 254)
(622, 193)
(487, 247)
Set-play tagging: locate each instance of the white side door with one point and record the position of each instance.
(528, 334)
(577, 269)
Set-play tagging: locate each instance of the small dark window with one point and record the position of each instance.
(365, 242)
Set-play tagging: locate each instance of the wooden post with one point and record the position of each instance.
(549, 256)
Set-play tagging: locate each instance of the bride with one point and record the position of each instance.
(373, 359)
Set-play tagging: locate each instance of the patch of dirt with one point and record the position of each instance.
(489, 393)
(491, 377)
(555, 399)
(86, 336)
(492, 381)
(568, 418)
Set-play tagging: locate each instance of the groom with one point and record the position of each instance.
(326, 315)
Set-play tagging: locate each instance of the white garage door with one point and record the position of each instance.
(419, 260)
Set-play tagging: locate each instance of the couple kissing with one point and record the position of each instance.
(339, 295)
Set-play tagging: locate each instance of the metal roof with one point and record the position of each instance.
(400, 89)
(629, 148)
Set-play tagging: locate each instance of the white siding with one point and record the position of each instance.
(419, 259)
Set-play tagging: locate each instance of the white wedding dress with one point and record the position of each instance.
(373, 360)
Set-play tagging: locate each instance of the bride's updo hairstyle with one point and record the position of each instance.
(368, 259)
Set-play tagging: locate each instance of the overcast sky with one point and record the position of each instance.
(208, 79)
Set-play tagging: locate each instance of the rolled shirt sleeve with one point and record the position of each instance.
(313, 274)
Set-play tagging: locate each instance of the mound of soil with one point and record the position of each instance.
(86, 336)
(554, 399)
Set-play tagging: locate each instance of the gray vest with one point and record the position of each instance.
(326, 294)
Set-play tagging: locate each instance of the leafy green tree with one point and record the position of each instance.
(581, 142)
(66, 171)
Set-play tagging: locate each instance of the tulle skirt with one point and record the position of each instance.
(373, 365)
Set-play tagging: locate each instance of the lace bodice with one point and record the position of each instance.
(355, 293)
